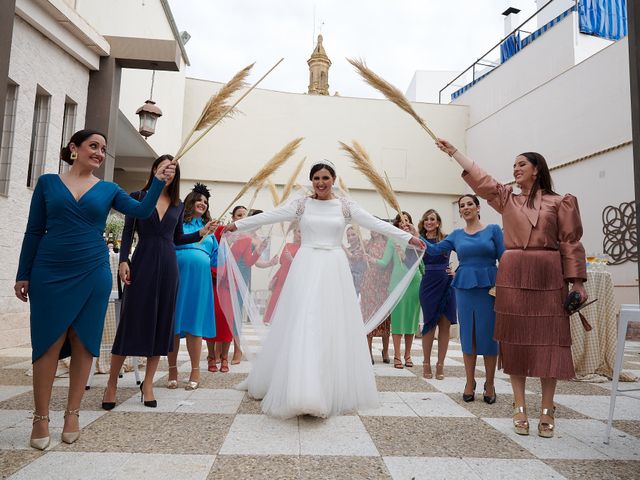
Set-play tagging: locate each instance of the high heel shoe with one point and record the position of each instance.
(147, 403)
(193, 385)
(40, 443)
(71, 437)
(545, 430)
(107, 405)
(426, 370)
(224, 364)
(408, 362)
(489, 399)
(397, 363)
(470, 397)
(172, 384)
(211, 364)
(439, 371)
(521, 427)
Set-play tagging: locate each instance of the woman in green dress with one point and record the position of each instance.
(406, 315)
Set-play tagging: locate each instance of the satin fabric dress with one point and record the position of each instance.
(286, 257)
(543, 253)
(66, 261)
(437, 295)
(147, 317)
(194, 305)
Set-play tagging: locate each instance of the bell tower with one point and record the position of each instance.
(319, 64)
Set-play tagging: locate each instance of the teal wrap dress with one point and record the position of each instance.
(66, 261)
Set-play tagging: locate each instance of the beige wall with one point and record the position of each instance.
(236, 149)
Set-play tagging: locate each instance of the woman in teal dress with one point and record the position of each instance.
(64, 271)
(478, 247)
(195, 316)
(406, 314)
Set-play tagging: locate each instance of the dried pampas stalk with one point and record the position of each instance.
(267, 170)
(275, 198)
(342, 186)
(225, 113)
(255, 196)
(217, 104)
(361, 161)
(288, 188)
(392, 93)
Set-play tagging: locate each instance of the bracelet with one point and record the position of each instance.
(453, 153)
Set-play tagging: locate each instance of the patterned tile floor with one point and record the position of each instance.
(422, 429)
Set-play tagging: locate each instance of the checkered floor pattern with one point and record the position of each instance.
(422, 429)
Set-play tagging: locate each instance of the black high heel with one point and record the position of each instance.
(147, 403)
(107, 405)
(470, 397)
(489, 399)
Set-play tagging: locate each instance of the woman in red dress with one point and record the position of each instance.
(286, 257)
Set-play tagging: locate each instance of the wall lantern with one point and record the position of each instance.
(149, 114)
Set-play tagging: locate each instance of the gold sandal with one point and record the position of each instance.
(545, 430)
(193, 385)
(439, 371)
(40, 443)
(521, 427)
(426, 370)
(172, 384)
(71, 437)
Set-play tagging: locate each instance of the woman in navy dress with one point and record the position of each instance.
(194, 307)
(151, 284)
(437, 297)
(64, 271)
(478, 247)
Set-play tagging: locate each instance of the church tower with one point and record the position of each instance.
(319, 65)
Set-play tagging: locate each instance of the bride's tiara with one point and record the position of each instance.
(324, 161)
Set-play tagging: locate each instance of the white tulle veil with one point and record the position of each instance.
(245, 291)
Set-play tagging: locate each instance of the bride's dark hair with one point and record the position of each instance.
(319, 166)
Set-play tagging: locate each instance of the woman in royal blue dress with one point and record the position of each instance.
(147, 316)
(437, 297)
(64, 271)
(478, 247)
(194, 306)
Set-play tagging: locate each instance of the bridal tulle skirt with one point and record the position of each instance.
(315, 359)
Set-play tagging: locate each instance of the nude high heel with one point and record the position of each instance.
(40, 443)
(71, 437)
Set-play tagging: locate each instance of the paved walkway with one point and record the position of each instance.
(422, 429)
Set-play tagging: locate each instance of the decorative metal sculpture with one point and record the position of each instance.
(620, 233)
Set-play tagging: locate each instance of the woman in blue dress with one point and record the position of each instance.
(195, 316)
(64, 271)
(437, 297)
(478, 247)
(147, 316)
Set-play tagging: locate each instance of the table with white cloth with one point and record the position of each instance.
(594, 351)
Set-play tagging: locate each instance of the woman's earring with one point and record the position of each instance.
(74, 155)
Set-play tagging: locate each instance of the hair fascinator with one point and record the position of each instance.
(202, 189)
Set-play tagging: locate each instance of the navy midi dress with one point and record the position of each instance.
(437, 297)
(147, 317)
(66, 260)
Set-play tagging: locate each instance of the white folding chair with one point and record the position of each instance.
(627, 313)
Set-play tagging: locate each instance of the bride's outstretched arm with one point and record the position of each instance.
(365, 219)
(284, 213)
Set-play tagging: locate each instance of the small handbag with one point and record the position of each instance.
(573, 305)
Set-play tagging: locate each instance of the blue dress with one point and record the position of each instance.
(194, 305)
(66, 261)
(474, 277)
(437, 296)
(148, 312)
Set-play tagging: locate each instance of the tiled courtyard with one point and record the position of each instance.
(422, 429)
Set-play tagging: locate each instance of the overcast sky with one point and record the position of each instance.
(395, 37)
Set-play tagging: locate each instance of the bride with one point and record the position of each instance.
(315, 360)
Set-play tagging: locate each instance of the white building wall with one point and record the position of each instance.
(126, 18)
(426, 84)
(35, 60)
(581, 111)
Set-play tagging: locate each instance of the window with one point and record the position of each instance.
(68, 127)
(39, 130)
(8, 128)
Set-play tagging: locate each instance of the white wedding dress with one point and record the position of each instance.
(315, 359)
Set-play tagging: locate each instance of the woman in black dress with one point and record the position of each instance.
(151, 284)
